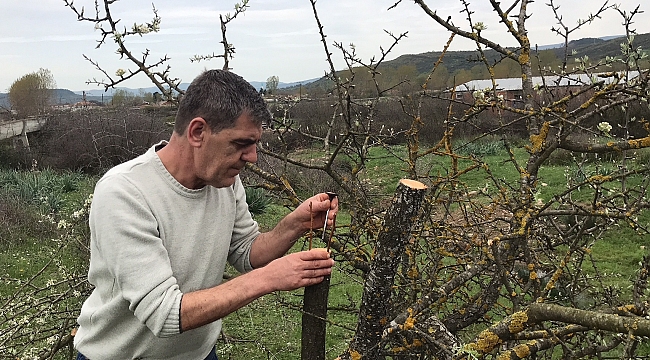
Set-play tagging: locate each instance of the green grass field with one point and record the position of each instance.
(33, 204)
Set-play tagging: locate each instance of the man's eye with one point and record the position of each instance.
(243, 144)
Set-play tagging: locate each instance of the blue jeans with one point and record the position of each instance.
(211, 356)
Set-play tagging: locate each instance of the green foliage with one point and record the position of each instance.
(20, 223)
(123, 97)
(257, 200)
(45, 189)
(272, 84)
(482, 148)
(44, 283)
(31, 94)
(11, 158)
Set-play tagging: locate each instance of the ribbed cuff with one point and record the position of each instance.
(172, 325)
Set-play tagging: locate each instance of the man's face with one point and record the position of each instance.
(226, 152)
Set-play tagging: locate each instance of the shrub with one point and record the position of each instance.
(482, 147)
(94, 140)
(257, 200)
(44, 189)
(305, 182)
(561, 157)
(11, 158)
(20, 222)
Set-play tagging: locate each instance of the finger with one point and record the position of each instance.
(323, 196)
(314, 281)
(320, 264)
(334, 205)
(314, 254)
(320, 202)
(315, 273)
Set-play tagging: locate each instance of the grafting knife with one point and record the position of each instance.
(332, 195)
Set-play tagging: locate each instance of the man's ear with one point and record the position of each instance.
(197, 129)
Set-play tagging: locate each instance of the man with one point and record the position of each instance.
(164, 224)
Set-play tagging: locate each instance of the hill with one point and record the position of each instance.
(598, 49)
(60, 97)
(457, 60)
(65, 96)
(454, 61)
(152, 89)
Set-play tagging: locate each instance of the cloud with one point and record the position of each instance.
(45, 38)
(273, 37)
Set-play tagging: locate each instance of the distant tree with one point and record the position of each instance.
(272, 84)
(146, 97)
(439, 78)
(480, 72)
(32, 93)
(507, 68)
(123, 97)
(462, 76)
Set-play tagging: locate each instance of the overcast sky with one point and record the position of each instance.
(273, 37)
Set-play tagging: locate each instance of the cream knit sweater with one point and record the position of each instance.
(152, 240)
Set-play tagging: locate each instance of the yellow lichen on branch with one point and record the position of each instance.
(487, 340)
(524, 58)
(415, 344)
(537, 141)
(599, 179)
(640, 143)
(410, 320)
(518, 322)
(520, 351)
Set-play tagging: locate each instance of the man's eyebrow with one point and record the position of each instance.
(246, 141)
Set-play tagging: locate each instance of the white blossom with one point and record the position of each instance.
(479, 26)
(605, 127)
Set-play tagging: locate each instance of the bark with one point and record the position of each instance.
(391, 241)
(537, 313)
(313, 321)
(594, 320)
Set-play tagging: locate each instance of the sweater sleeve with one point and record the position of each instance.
(245, 231)
(127, 240)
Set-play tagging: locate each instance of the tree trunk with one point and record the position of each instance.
(391, 241)
(313, 321)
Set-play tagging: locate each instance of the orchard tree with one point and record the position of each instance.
(31, 94)
(510, 268)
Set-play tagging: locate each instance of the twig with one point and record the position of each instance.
(311, 225)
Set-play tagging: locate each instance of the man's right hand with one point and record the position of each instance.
(289, 272)
(298, 270)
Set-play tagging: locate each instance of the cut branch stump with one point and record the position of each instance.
(391, 243)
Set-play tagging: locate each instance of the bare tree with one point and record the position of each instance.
(505, 270)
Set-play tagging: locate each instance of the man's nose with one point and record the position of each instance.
(250, 154)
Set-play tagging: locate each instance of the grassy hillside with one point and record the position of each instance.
(454, 61)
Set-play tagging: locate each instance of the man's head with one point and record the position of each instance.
(220, 97)
(218, 127)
